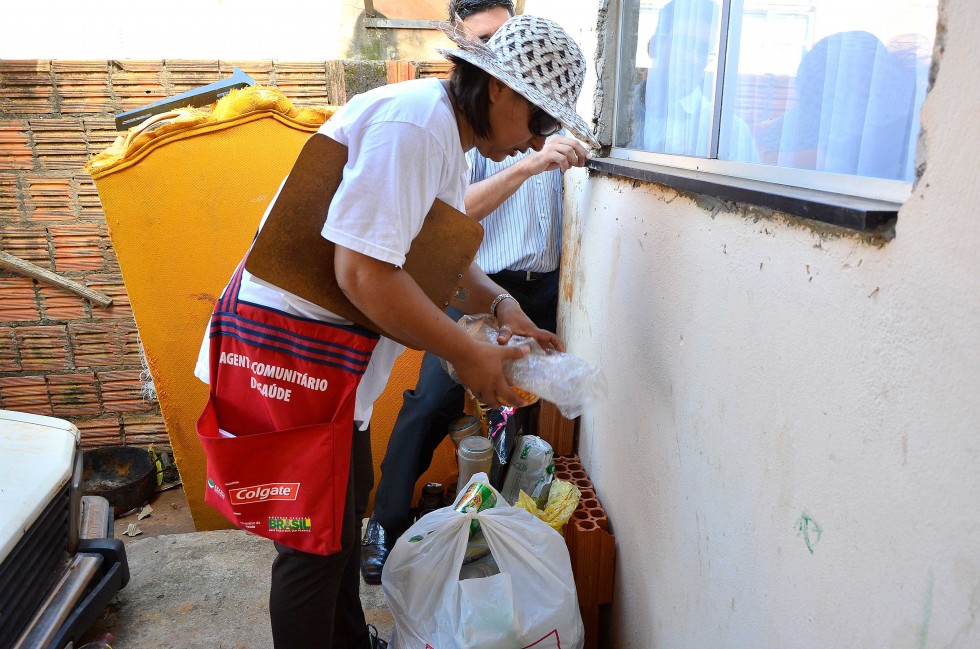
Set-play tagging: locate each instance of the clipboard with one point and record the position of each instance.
(289, 251)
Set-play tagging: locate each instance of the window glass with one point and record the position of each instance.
(824, 85)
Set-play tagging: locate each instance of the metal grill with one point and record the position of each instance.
(28, 573)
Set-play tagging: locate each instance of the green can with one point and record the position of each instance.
(478, 496)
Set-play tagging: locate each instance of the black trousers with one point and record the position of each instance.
(436, 402)
(315, 600)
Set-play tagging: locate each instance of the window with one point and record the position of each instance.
(815, 94)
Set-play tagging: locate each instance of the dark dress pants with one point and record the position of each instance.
(315, 600)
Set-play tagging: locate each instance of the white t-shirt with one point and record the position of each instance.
(403, 153)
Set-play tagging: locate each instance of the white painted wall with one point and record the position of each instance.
(303, 30)
(230, 30)
(790, 452)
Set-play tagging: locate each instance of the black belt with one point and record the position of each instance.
(523, 275)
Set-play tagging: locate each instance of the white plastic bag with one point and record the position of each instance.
(532, 602)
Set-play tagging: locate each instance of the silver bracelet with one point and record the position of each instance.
(497, 300)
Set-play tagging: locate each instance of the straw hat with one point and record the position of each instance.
(536, 58)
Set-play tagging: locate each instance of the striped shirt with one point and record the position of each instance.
(524, 233)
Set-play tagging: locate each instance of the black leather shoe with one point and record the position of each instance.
(374, 551)
(376, 642)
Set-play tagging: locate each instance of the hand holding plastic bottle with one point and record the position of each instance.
(559, 377)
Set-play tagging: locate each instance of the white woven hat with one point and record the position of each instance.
(536, 58)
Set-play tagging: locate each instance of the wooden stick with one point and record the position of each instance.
(9, 262)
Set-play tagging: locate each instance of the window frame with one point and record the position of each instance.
(866, 204)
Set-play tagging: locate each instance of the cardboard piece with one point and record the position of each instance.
(290, 253)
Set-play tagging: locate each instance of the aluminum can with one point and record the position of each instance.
(478, 496)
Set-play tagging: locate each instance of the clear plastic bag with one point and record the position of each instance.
(559, 377)
(502, 429)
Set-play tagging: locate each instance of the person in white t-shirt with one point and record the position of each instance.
(519, 203)
(406, 147)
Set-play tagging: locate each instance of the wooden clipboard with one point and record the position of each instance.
(289, 251)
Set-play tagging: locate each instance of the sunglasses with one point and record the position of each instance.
(542, 124)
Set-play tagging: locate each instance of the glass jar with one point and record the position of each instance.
(463, 427)
(431, 498)
(475, 454)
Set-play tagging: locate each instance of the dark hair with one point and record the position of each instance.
(470, 85)
(466, 8)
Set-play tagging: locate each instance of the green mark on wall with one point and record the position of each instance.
(810, 530)
(927, 612)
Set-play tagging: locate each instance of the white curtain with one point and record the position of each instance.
(856, 110)
(853, 103)
(673, 113)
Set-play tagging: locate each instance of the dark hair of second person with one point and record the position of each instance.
(462, 9)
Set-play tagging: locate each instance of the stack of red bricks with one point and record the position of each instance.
(591, 547)
(60, 355)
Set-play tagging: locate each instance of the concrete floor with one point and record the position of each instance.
(205, 590)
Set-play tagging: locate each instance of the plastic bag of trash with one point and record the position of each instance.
(532, 468)
(531, 601)
(562, 500)
(503, 429)
(559, 377)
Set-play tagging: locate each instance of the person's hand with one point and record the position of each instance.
(511, 320)
(480, 368)
(558, 152)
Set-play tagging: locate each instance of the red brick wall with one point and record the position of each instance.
(60, 355)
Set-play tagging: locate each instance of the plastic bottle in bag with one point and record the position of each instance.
(532, 467)
(485, 566)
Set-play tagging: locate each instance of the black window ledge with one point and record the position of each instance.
(865, 215)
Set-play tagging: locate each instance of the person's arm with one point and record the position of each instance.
(481, 292)
(558, 152)
(391, 299)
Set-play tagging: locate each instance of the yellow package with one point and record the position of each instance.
(562, 501)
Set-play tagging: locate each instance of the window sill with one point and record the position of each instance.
(862, 214)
